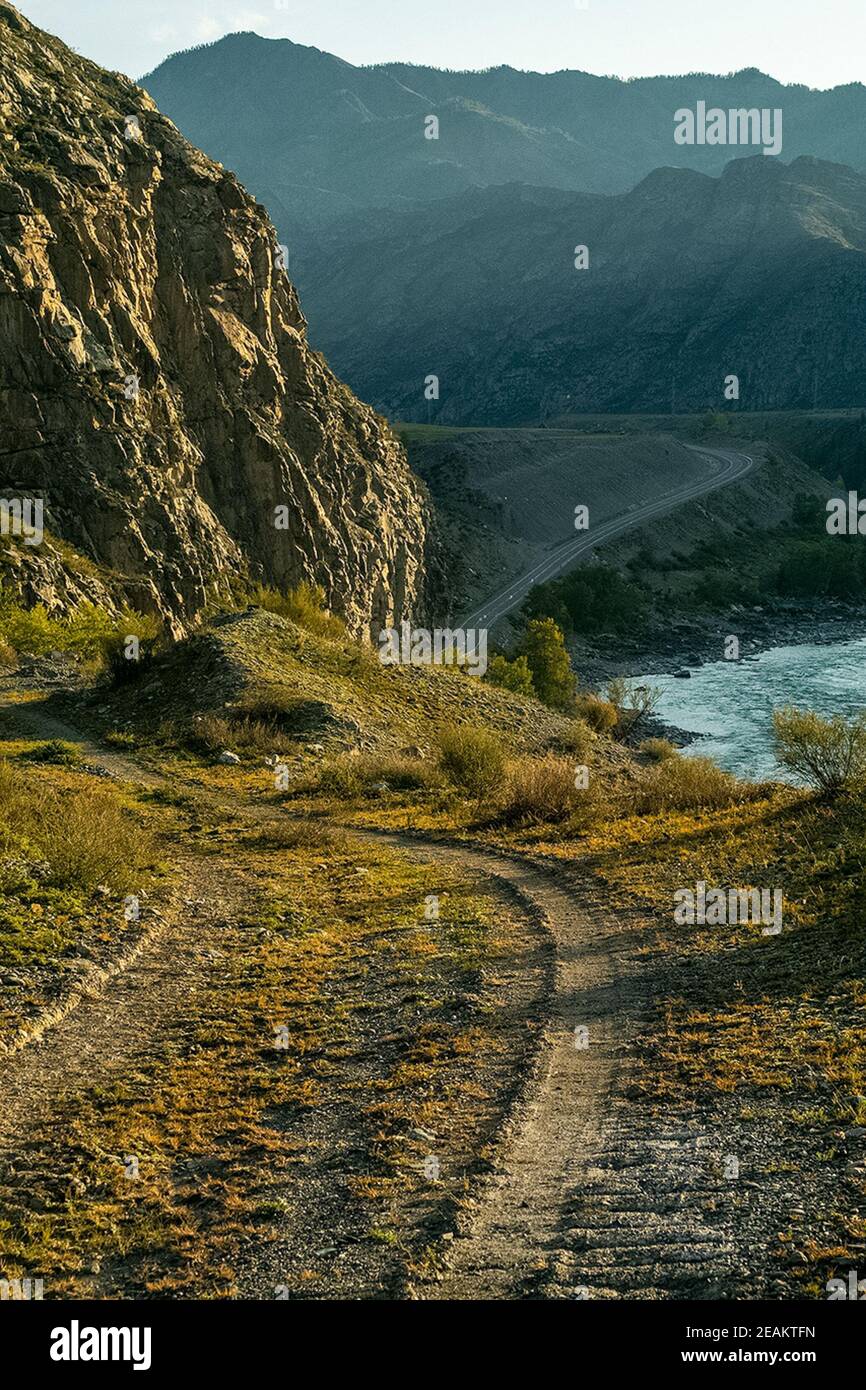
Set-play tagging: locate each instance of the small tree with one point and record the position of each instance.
(828, 753)
(633, 703)
(543, 645)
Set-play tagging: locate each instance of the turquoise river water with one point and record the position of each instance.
(729, 704)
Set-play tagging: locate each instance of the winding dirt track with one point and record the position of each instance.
(588, 1199)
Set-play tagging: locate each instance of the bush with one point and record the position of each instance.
(86, 837)
(473, 760)
(540, 789)
(633, 705)
(56, 750)
(241, 734)
(658, 750)
(577, 738)
(90, 632)
(686, 784)
(30, 630)
(305, 605)
(830, 754)
(357, 776)
(599, 714)
(511, 675)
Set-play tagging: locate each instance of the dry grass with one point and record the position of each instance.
(540, 789)
(658, 750)
(84, 836)
(599, 714)
(687, 784)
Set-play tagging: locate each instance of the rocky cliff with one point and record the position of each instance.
(156, 384)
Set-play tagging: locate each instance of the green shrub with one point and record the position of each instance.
(473, 760)
(829, 754)
(89, 632)
(543, 646)
(305, 605)
(511, 675)
(55, 750)
(30, 631)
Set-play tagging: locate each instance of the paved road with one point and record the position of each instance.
(727, 467)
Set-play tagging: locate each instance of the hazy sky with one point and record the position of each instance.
(818, 42)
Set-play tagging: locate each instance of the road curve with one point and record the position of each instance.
(728, 467)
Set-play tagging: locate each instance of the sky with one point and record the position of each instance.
(817, 42)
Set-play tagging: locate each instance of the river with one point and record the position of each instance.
(729, 704)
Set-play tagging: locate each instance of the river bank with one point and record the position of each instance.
(680, 645)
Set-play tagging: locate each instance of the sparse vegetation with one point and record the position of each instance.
(829, 754)
(305, 605)
(686, 784)
(474, 760)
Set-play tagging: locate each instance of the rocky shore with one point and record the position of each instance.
(680, 644)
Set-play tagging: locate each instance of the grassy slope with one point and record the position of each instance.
(762, 1032)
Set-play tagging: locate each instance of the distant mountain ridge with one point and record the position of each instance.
(759, 274)
(316, 138)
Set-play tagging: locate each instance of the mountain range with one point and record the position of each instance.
(688, 282)
(316, 138)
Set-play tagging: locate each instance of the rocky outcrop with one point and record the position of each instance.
(156, 383)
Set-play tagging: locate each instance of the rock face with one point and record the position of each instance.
(156, 383)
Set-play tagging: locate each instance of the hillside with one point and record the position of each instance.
(506, 497)
(760, 273)
(156, 383)
(316, 137)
